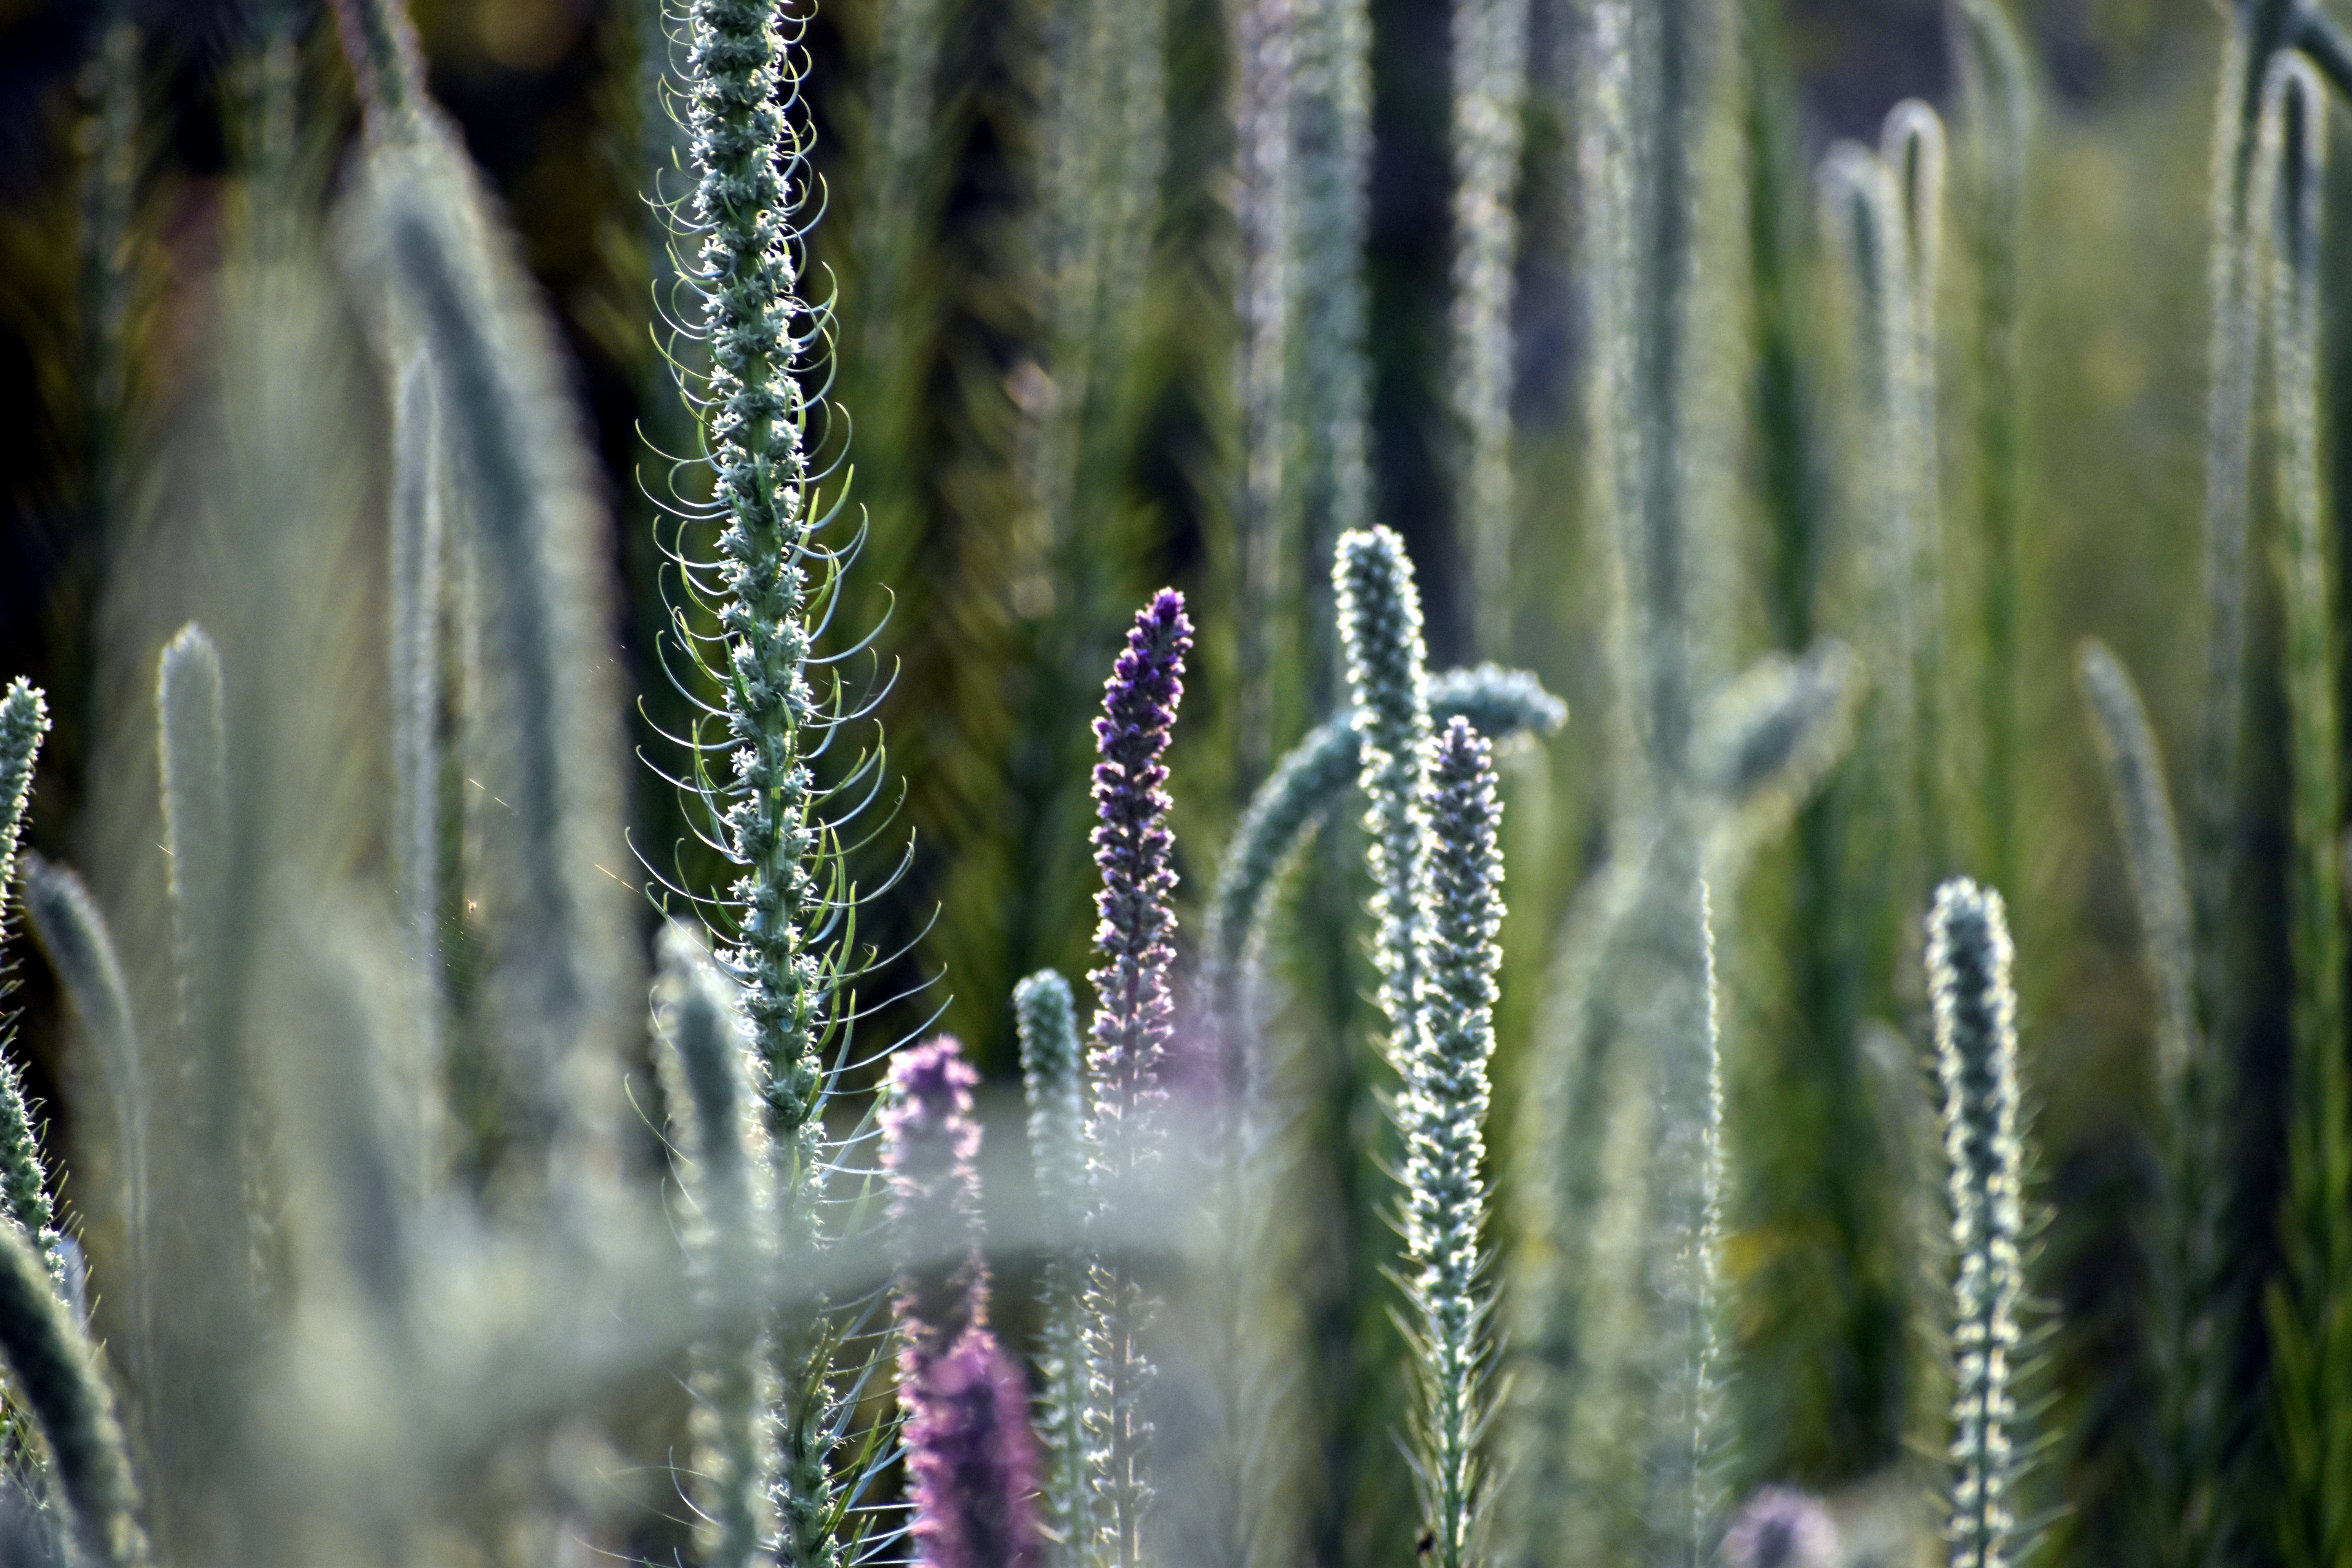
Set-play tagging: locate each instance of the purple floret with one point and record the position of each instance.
(929, 1140)
(1778, 1527)
(973, 1461)
(1131, 846)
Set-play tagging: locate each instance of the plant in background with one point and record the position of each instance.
(1265, 40)
(2311, 1331)
(1996, 94)
(437, 275)
(1133, 1019)
(1614, 1438)
(1329, 221)
(55, 1369)
(971, 1461)
(1886, 208)
(1975, 1009)
(2196, 1301)
(1490, 84)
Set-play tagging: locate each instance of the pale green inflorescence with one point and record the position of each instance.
(747, 155)
(1302, 787)
(54, 1368)
(24, 720)
(194, 748)
(1443, 1111)
(1975, 1009)
(1049, 1070)
(720, 1145)
(1379, 630)
(24, 1181)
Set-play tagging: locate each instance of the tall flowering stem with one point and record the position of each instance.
(716, 1131)
(742, 75)
(1442, 1112)
(971, 1457)
(23, 1182)
(1132, 1022)
(1490, 85)
(1331, 133)
(1057, 1149)
(1264, 48)
(973, 1460)
(1380, 631)
(2311, 1329)
(929, 1142)
(24, 720)
(1975, 1008)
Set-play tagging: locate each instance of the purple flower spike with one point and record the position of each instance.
(973, 1461)
(929, 1142)
(1779, 1527)
(1131, 846)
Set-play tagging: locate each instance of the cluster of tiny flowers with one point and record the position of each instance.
(971, 1459)
(1380, 631)
(1442, 1113)
(1131, 1028)
(1132, 844)
(1969, 956)
(930, 1140)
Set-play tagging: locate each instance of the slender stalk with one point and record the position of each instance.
(1264, 46)
(193, 747)
(2143, 810)
(2256, 31)
(1912, 150)
(54, 1368)
(1490, 85)
(416, 660)
(1996, 91)
(1388, 681)
(720, 1146)
(1616, 1434)
(74, 935)
(1975, 1008)
(1056, 1097)
(2195, 1302)
(542, 731)
(1331, 123)
(2311, 1332)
